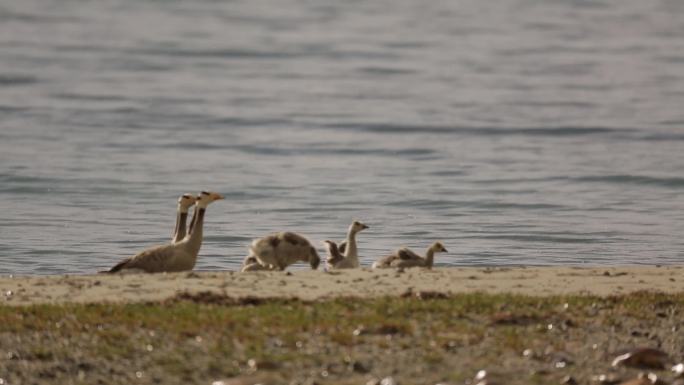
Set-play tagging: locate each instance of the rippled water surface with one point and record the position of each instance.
(518, 132)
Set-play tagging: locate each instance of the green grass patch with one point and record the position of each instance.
(200, 338)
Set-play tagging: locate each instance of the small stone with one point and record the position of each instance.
(642, 358)
(388, 381)
(568, 380)
(606, 379)
(358, 367)
(678, 370)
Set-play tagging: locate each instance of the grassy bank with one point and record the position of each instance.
(416, 339)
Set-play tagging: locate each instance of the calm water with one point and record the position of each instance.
(518, 132)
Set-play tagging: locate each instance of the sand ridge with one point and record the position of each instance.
(313, 285)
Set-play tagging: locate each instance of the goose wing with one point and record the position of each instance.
(406, 254)
(342, 247)
(384, 262)
(334, 255)
(153, 260)
(407, 262)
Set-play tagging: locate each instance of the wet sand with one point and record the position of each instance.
(313, 285)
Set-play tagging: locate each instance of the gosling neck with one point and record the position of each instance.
(429, 257)
(351, 251)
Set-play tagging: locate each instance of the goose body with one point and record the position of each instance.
(347, 249)
(175, 256)
(405, 257)
(279, 250)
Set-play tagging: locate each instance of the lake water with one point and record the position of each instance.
(518, 132)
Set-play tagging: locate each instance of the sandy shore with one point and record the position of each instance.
(309, 285)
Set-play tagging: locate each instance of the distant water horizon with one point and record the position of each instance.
(517, 133)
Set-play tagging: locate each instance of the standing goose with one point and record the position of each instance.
(279, 250)
(184, 203)
(404, 257)
(347, 249)
(172, 257)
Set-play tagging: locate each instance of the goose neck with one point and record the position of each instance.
(179, 232)
(351, 250)
(194, 239)
(429, 257)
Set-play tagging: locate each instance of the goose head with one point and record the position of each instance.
(438, 247)
(185, 201)
(357, 226)
(206, 197)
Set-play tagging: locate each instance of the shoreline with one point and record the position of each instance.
(320, 285)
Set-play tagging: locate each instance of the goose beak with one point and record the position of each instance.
(365, 227)
(217, 196)
(445, 250)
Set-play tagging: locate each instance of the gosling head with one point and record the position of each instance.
(206, 197)
(357, 226)
(185, 201)
(438, 247)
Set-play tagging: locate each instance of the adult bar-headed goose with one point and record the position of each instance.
(179, 256)
(278, 251)
(404, 257)
(347, 249)
(184, 203)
